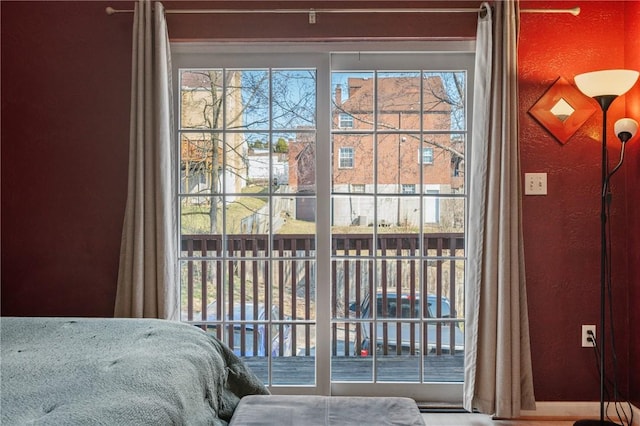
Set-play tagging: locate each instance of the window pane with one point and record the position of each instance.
(358, 147)
(200, 162)
(353, 283)
(303, 374)
(293, 289)
(398, 214)
(352, 214)
(201, 287)
(279, 154)
(200, 215)
(351, 360)
(344, 342)
(235, 171)
(398, 100)
(352, 91)
(301, 163)
(295, 216)
(443, 163)
(444, 100)
(246, 215)
(443, 214)
(247, 99)
(396, 162)
(293, 237)
(200, 99)
(294, 99)
(257, 163)
(395, 343)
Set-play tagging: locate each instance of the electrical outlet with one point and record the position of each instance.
(586, 336)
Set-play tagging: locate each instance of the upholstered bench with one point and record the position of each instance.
(286, 410)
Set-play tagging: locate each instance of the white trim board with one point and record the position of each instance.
(572, 410)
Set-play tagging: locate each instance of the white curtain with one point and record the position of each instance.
(498, 377)
(147, 275)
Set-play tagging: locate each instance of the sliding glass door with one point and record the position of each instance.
(322, 212)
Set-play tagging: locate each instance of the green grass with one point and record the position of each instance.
(196, 219)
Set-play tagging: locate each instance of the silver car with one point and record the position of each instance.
(247, 331)
(443, 335)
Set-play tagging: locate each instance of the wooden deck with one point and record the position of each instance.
(300, 370)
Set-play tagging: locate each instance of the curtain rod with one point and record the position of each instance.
(575, 11)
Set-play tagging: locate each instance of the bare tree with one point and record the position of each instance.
(223, 112)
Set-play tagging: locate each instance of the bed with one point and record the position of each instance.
(70, 371)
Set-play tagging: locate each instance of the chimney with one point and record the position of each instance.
(338, 95)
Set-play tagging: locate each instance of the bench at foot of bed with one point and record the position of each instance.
(288, 410)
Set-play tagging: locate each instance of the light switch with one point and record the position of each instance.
(535, 184)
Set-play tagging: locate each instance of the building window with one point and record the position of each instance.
(456, 165)
(346, 121)
(346, 158)
(426, 156)
(357, 188)
(408, 188)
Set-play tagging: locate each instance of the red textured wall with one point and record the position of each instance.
(562, 242)
(328, 26)
(65, 113)
(66, 71)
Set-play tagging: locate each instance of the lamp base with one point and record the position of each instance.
(594, 423)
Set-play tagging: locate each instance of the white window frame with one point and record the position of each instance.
(346, 155)
(346, 121)
(283, 55)
(425, 155)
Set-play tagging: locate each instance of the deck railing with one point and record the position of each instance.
(352, 279)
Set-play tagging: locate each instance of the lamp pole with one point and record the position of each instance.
(605, 102)
(605, 86)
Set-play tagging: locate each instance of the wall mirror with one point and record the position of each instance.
(562, 110)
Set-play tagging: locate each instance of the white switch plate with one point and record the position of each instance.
(535, 184)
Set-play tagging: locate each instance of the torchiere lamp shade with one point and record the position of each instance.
(606, 82)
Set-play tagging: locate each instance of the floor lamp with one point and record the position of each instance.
(605, 86)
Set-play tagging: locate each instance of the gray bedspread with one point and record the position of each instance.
(66, 371)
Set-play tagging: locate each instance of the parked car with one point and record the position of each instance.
(251, 328)
(403, 310)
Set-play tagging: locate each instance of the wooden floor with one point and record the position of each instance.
(463, 419)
